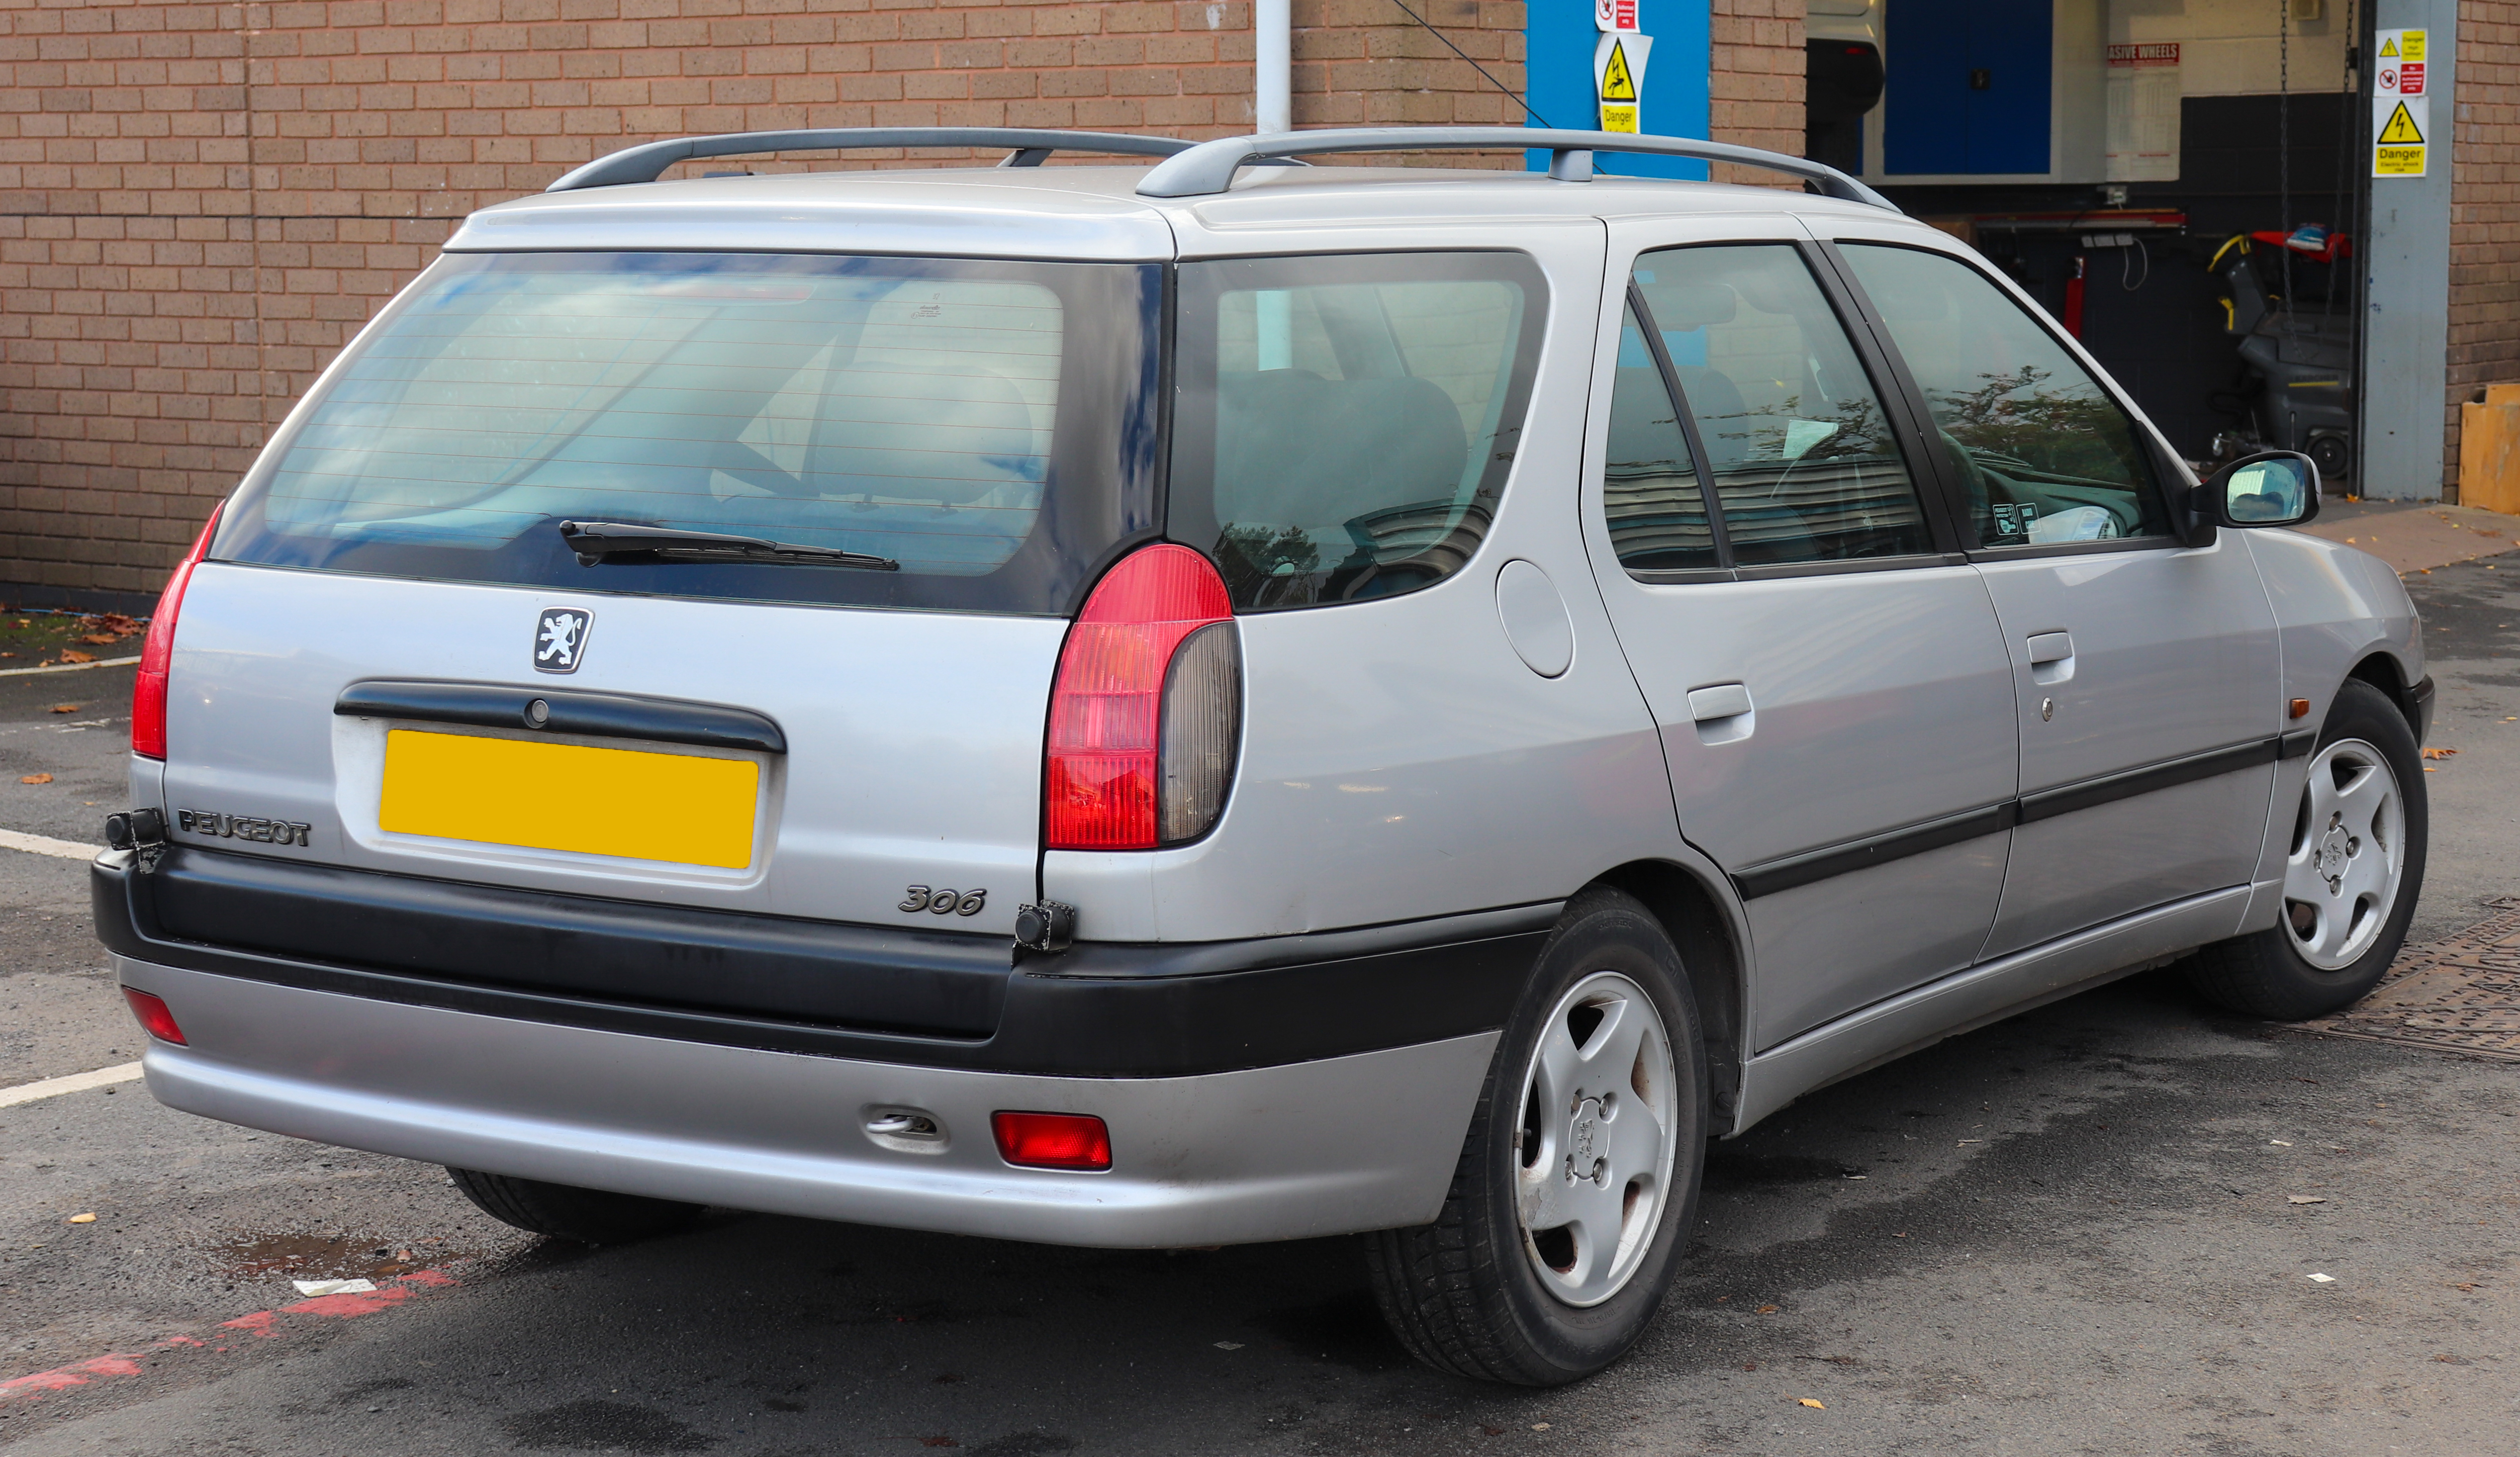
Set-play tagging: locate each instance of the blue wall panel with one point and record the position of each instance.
(1558, 37)
(1934, 121)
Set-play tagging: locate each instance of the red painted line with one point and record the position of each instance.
(262, 1323)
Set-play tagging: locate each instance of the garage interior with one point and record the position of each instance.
(2107, 154)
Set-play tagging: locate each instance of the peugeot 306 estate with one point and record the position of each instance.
(1221, 701)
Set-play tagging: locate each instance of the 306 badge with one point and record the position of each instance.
(944, 902)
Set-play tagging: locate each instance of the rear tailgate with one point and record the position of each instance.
(913, 745)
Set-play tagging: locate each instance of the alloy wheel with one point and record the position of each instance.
(2348, 854)
(1594, 1152)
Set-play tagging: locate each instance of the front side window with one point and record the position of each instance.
(1343, 426)
(1795, 439)
(986, 427)
(2045, 455)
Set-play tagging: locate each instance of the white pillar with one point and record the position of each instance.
(1273, 66)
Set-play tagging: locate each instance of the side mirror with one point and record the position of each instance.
(2279, 489)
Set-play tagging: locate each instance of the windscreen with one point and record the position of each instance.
(987, 429)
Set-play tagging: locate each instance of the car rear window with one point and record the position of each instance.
(1343, 425)
(988, 425)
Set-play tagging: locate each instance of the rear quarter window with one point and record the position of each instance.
(1344, 425)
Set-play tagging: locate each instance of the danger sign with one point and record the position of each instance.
(1619, 79)
(2401, 111)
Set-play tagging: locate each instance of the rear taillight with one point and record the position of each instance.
(1147, 710)
(149, 689)
(1051, 1140)
(154, 1017)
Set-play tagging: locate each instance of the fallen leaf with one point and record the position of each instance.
(73, 654)
(34, 779)
(100, 639)
(65, 707)
(1814, 1405)
(80, 1219)
(1767, 1310)
(2277, 1143)
(1750, 1365)
(2439, 754)
(2320, 1279)
(2304, 1199)
(1539, 1426)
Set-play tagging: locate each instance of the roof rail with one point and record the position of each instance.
(1208, 168)
(647, 162)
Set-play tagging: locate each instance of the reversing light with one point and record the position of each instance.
(154, 1019)
(1052, 1140)
(1147, 710)
(157, 650)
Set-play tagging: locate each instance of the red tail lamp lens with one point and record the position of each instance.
(1101, 788)
(156, 649)
(1051, 1140)
(154, 1019)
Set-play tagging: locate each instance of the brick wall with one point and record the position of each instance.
(199, 203)
(1756, 89)
(2485, 210)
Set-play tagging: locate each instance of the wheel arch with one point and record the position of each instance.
(2381, 669)
(1701, 921)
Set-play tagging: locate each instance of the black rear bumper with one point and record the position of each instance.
(875, 993)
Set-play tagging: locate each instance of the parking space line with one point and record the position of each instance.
(67, 667)
(76, 1082)
(45, 845)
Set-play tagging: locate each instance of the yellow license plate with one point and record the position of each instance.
(681, 808)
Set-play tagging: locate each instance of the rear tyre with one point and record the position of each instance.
(2353, 870)
(589, 1216)
(1578, 1181)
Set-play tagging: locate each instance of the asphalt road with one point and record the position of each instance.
(2072, 1232)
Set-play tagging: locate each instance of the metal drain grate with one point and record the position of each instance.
(2458, 994)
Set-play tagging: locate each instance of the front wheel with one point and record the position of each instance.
(1578, 1180)
(2353, 869)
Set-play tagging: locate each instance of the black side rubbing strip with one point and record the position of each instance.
(602, 715)
(1809, 866)
(2066, 799)
(1880, 850)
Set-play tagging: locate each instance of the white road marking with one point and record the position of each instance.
(45, 845)
(76, 1082)
(66, 667)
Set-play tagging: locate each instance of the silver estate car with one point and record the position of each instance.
(1221, 700)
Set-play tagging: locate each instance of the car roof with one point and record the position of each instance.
(1072, 213)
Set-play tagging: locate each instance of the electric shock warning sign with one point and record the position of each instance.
(2401, 105)
(1619, 78)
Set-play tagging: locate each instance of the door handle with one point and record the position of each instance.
(2051, 657)
(1718, 702)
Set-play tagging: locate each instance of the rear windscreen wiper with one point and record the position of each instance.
(598, 543)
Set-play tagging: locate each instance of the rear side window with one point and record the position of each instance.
(1795, 439)
(986, 426)
(2045, 455)
(1343, 426)
(1650, 488)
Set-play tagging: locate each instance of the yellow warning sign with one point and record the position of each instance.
(2401, 130)
(1619, 116)
(2389, 49)
(2414, 47)
(1617, 84)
